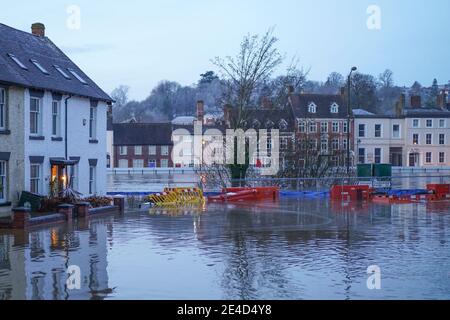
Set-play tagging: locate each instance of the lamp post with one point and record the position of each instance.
(348, 117)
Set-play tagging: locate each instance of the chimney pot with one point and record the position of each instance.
(38, 29)
(416, 101)
(200, 110)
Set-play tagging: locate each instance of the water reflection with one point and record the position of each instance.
(295, 249)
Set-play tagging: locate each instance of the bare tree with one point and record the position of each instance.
(250, 68)
(120, 95)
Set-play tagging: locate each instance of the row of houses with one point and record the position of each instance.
(52, 120)
(312, 127)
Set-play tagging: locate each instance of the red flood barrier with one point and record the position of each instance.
(246, 194)
(350, 193)
(439, 191)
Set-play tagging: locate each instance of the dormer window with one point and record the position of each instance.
(62, 72)
(269, 124)
(17, 61)
(76, 75)
(312, 108)
(334, 108)
(283, 124)
(39, 66)
(256, 124)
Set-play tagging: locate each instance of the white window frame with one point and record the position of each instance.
(426, 123)
(37, 114)
(138, 163)
(375, 155)
(164, 150)
(428, 160)
(324, 127)
(399, 131)
(138, 150)
(36, 181)
(3, 181)
(429, 135)
(152, 150)
(74, 172)
(363, 125)
(312, 107)
(441, 157)
(324, 145)
(359, 156)
(312, 127)
(166, 161)
(444, 123)
(345, 127)
(418, 123)
(334, 108)
(56, 118)
(413, 138)
(375, 130)
(121, 162)
(284, 143)
(335, 144)
(92, 180)
(92, 122)
(335, 127)
(441, 135)
(2, 109)
(123, 150)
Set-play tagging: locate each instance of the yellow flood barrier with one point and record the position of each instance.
(178, 197)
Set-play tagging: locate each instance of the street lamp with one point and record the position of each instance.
(348, 117)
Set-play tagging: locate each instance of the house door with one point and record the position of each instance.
(58, 182)
(413, 159)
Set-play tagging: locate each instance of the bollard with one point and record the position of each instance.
(21, 218)
(119, 201)
(83, 209)
(67, 211)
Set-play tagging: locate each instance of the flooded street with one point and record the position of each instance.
(294, 249)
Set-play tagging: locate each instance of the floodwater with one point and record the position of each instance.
(293, 249)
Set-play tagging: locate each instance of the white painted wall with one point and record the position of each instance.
(78, 141)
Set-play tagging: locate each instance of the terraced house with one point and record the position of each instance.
(52, 120)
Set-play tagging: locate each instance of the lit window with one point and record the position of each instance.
(415, 138)
(39, 66)
(62, 72)
(76, 75)
(17, 61)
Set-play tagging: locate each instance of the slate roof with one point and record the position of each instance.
(300, 103)
(426, 112)
(141, 134)
(26, 46)
(269, 118)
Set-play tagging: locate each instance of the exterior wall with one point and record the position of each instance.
(130, 156)
(341, 152)
(13, 142)
(110, 146)
(78, 142)
(422, 148)
(385, 142)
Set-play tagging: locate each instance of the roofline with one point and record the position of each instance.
(9, 83)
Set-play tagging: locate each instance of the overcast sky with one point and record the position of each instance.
(139, 43)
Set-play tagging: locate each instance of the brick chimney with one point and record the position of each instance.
(38, 29)
(200, 110)
(416, 101)
(442, 100)
(400, 105)
(227, 109)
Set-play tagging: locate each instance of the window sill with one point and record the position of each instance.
(37, 138)
(5, 132)
(58, 139)
(5, 204)
(93, 141)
